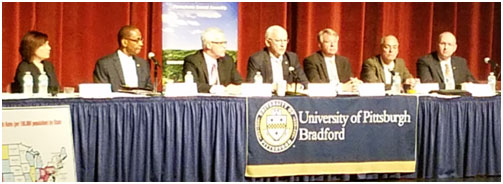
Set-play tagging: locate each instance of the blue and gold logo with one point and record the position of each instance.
(276, 126)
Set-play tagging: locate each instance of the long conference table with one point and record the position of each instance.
(205, 138)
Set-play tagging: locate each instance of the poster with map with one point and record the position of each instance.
(37, 144)
(182, 25)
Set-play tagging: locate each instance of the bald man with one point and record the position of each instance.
(381, 68)
(124, 67)
(274, 62)
(441, 65)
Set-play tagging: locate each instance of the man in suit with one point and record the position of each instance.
(214, 71)
(274, 62)
(123, 67)
(381, 68)
(442, 66)
(326, 66)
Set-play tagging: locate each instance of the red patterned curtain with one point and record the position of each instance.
(361, 26)
(79, 34)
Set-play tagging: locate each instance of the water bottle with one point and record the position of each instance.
(258, 78)
(491, 80)
(397, 83)
(449, 84)
(189, 78)
(27, 84)
(43, 83)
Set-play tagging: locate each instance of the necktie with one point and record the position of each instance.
(214, 75)
(447, 72)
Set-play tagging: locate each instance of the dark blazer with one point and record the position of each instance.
(373, 70)
(429, 70)
(108, 69)
(261, 62)
(25, 66)
(227, 72)
(316, 68)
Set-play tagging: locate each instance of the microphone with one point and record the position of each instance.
(392, 72)
(291, 69)
(151, 56)
(487, 60)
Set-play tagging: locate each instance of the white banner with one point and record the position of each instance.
(37, 144)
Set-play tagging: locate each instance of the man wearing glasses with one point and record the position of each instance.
(123, 67)
(214, 71)
(273, 62)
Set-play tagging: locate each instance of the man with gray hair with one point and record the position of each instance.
(381, 68)
(441, 66)
(274, 62)
(325, 66)
(214, 71)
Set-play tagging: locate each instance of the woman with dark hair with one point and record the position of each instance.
(34, 50)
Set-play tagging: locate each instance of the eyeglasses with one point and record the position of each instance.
(279, 40)
(220, 43)
(136, 40)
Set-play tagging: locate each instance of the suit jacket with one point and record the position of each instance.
(429, 70)
(316, 68)
(25, 66)
(227, 72)
(261, 62)
(373, 70)
(108, 69)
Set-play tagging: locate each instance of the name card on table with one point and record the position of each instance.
(322, 89)
(95, 90)
(425, 88)
(180, 89)
(252, 89)
(371, 89)
(478, 89)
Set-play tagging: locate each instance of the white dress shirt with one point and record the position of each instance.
(387, 68)
(277, 68)
(128, 69)
(332, 69)
(211, 62)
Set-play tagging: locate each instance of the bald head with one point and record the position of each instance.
(446, 45)
(276, 40)
(389, 48)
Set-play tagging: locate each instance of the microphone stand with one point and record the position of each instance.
(295, 80)
(155, 76)
(154, 91)
(494, 68)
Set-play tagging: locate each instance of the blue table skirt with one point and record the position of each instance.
(204, 139)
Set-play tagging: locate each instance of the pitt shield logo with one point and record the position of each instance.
(276, 126)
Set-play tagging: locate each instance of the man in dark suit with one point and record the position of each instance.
(326, 66)
(442, 66)
(274, 62)
(381, 68)
(124, 68)
(214, 71)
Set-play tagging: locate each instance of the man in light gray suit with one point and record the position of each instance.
(123, 68)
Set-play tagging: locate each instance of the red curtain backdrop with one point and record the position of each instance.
(80, 33)
(361, 26)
